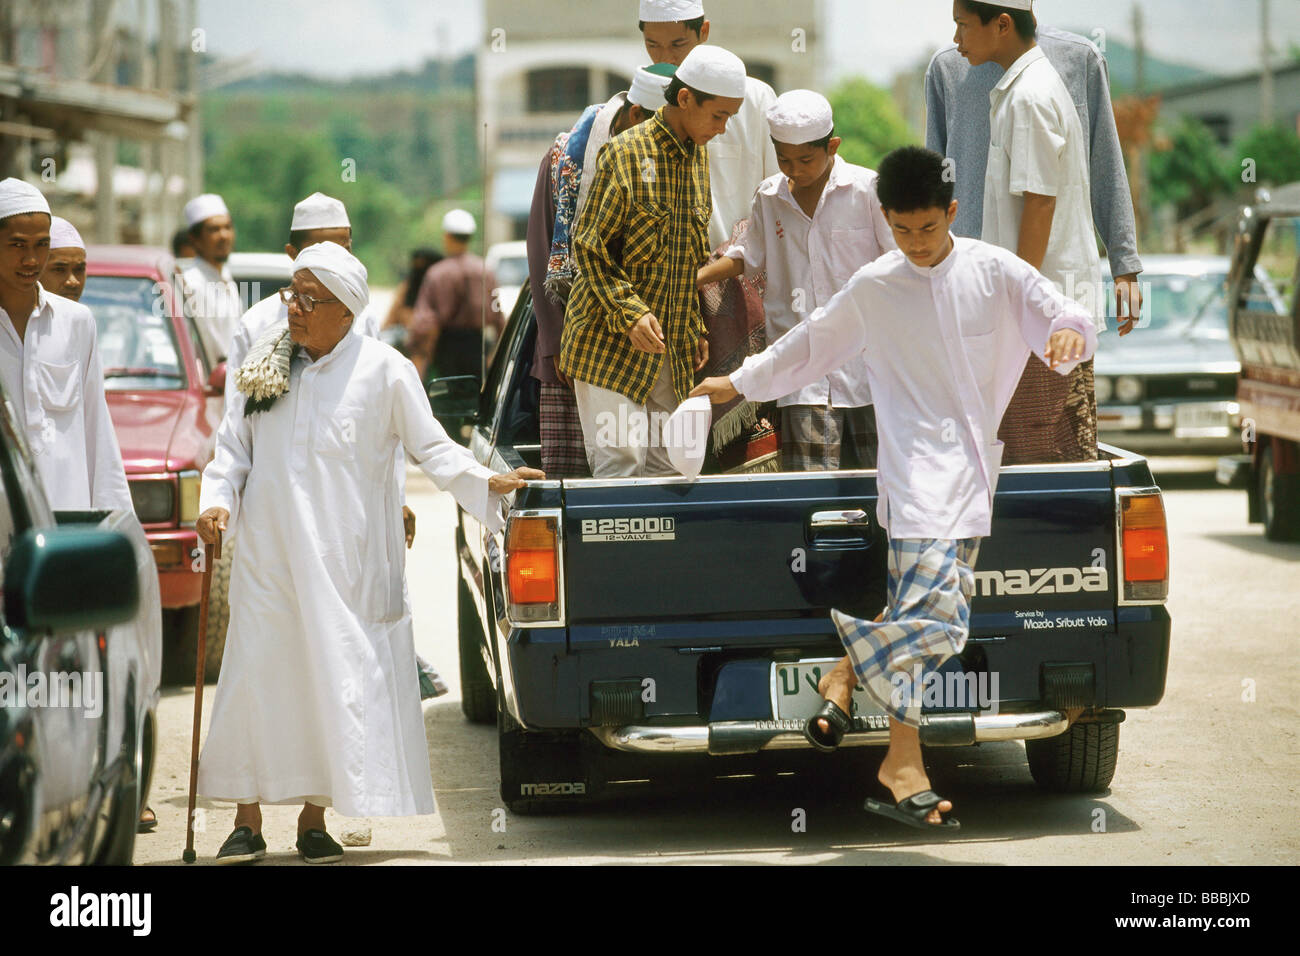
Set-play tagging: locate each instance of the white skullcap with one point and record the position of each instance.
(459, 223)
(64, 235)
(670, 11)
(686, 435)
(205, 207)
(18, 197)
(711, 69)
(648, 88)
(800, 116)
(1014, 4)
(319, 211)
(339, 271)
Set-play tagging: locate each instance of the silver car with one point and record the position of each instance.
(1170, 386)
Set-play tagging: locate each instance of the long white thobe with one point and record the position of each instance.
(212, 296)
(53, 378)
(945, 348)
(318, 695)
(741, 158)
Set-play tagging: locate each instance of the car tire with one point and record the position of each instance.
(1279, 500)
(1081, 760)
(124, 802)
(477, 696)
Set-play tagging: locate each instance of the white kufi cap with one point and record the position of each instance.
(205, 207)
(648, 88)
(459, 223)
(18, 197)
(670, 11)
(339, 271)
(686, 435)
(319, 211)
(800, 116)
(711, 69)
(64, 235)
(1014, 4)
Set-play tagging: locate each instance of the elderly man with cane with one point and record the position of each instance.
(318, 699)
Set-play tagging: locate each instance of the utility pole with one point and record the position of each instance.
(1140, 48)
(105, 57)
(1266, 67)
(446, 117)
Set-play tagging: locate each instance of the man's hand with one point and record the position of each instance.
(1128, 301)
(647, 335)
(1064, 346)
(718, 388)
(514, 480)
(408, 523)
(211, 523)
(564, 379)
(701, 353)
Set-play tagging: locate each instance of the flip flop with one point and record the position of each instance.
(840, 723)
(913, 810)
(147, 826)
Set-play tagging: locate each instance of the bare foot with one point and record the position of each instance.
(907, 777)
(837, 686)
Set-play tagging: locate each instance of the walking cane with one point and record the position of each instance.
(211, 554)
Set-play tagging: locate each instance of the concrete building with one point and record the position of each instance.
(95, 94)
(1231, 106)
(538, 70)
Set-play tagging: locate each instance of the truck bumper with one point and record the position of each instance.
(752, 736)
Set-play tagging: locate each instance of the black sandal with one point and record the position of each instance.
(839, 722)
(913, 810)
(146, 826)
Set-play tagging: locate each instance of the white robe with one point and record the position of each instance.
(318, 695)
(55, 383)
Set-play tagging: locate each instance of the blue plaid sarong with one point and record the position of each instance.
(931, 583)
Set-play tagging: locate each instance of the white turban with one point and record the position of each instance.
(800, 116)
(205, 207)
(648, 87)
(670, 11)
(18, 198)
(711, 69)
(319, 211)
(64, 235)
(339, 271)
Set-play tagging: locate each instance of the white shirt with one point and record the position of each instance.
(55, 384)
(212, 297)
(809, 260)
(945, 348)
(740, 159)
(318, 692)
(1037, 145)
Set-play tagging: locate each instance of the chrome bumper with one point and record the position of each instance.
(752, 736)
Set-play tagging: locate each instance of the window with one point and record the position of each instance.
(137, 341)
(562, 89)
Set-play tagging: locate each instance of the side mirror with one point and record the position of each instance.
(455, 400)
(70, 579)
(217, 380)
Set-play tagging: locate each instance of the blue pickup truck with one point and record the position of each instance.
(617, 625)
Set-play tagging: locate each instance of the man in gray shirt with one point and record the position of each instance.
(957, 126)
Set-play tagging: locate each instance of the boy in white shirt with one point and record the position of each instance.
(811, 227)
(945, 326)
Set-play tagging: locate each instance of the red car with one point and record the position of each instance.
(166, 401)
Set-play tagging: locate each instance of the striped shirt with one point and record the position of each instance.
(638, 244)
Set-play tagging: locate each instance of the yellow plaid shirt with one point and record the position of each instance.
(637, 245)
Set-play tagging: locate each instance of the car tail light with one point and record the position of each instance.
(534, 568)
(1143, 546)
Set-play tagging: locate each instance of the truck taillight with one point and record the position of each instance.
(1143, 546)
(534, 575)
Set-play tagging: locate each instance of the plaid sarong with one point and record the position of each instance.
(817, 438)
(1051, 418)
(931, 583)
(564, 455)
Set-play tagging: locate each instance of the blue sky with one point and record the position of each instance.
(878, 37)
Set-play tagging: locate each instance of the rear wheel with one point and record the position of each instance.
(122, 806)
(1279, 500)
(477, 696)
(1081, 760)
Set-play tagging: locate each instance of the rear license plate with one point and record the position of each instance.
(1200, 421)
(794, 694)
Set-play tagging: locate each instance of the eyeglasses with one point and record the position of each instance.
(305, 302)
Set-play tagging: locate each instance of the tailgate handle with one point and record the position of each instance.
(856, 518)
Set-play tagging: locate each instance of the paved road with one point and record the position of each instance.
(1209, 776)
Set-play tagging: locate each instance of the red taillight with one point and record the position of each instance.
(1146, 546)
(532, 571)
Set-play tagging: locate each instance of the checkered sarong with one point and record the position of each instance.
(564, 454)
(817, 438)
(1051, 418)
(931, 583)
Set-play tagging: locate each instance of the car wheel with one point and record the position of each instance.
(1081, 760)
(123, 803)
(1279, 500)
(477, 696)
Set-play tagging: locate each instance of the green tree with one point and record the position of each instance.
(868, 121)
(1271, 153)
(1191, 172)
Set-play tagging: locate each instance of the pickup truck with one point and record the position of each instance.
(614, 626)
(1265, 332)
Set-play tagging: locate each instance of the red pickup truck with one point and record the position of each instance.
(166, 400)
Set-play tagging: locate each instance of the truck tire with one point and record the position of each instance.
(1081, 760)
(478, 699)
(1279, 500)
(183, 640)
